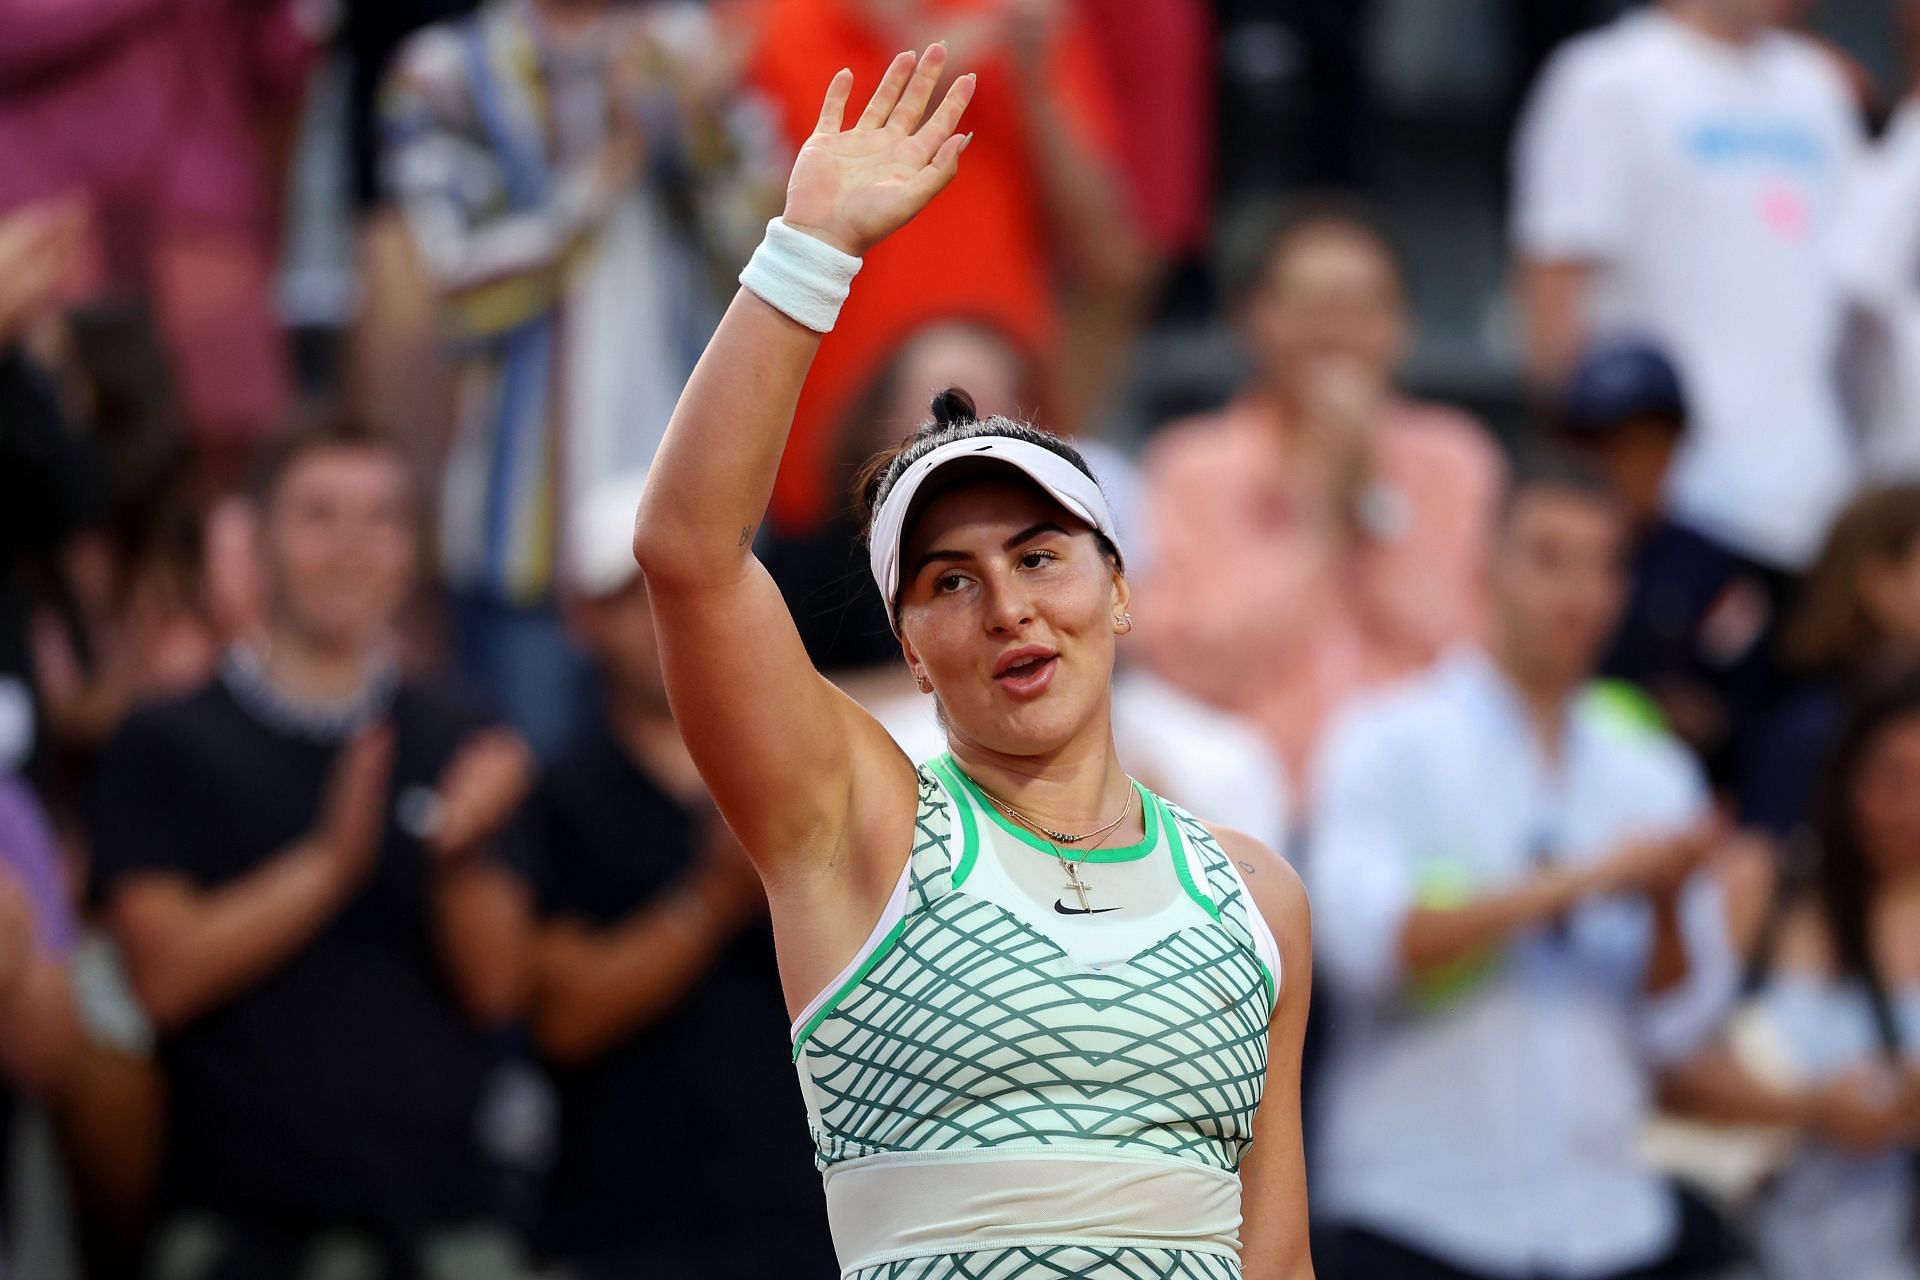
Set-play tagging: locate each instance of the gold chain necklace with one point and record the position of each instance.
(1075, 885)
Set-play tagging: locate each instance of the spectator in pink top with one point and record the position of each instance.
(1322, 533)
(152, 112)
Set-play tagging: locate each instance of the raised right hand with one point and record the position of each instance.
(854, 187)
(353, 814)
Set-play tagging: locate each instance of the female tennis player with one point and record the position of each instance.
(1040, 1014)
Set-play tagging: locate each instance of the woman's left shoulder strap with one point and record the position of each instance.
(1210, 875)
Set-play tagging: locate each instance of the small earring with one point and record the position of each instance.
(926, 685)
(1124, 623)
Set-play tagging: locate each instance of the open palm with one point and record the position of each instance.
(853, 187)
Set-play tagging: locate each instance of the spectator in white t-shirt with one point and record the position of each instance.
(1676, 174)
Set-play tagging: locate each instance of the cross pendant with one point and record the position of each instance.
(1078, 887)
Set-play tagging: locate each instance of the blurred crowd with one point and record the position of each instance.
(361, 913)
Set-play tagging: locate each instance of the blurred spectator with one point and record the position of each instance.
(295, 863)
(1857, 626)
(1502, 876)
(130, 616)
(1836, 1033)
(1039, 214)
(562, 164)
(1321, 533)
(1675, 176)
(1624, 405)
(152, 113)
(656, 998)
(49, 478)
(1159, 56)
(1161, 53)
(394, 372)
(1693, 638)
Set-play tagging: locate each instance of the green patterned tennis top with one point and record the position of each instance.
(974, 1026)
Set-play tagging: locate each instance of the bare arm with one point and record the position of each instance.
(1668, 965)
(779, 747)
(484, 930)
(1658, 867)
(39, 1029)
(594, 986)
(189, 950)
(1110, 273)
(1431, 938)
(1553, 319)
(1093, 228)
(1860, 1111)
(483, 918)
(1273, 1178)
(1714, 1086)
(39, 1032)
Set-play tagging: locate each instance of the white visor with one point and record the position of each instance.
(1065, 483)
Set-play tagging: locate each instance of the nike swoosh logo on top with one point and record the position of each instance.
(1066, 910)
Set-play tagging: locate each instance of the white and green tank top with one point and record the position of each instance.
(1008, 1077)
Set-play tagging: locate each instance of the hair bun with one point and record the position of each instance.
(953, 407)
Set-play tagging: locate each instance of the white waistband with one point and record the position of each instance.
(921, 1204)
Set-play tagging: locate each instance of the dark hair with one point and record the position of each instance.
(1831, 631)
(1833, 870)
(279, 455)
(954, 417)
(1256, 235)
(1558, 470)
(155, 499)
(1845, 879)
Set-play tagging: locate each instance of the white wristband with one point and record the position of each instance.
(803, 278)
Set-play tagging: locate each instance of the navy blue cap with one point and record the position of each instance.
(1620, 381)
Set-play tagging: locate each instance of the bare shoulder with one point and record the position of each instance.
(1276, 887)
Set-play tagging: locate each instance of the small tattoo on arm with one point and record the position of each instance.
(1245, 866)
(746, 534)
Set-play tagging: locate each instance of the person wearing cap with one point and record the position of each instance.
(1695, 637)
(1040, 1016)
(1680, 173)
(655, 1003)
(1625, 408)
